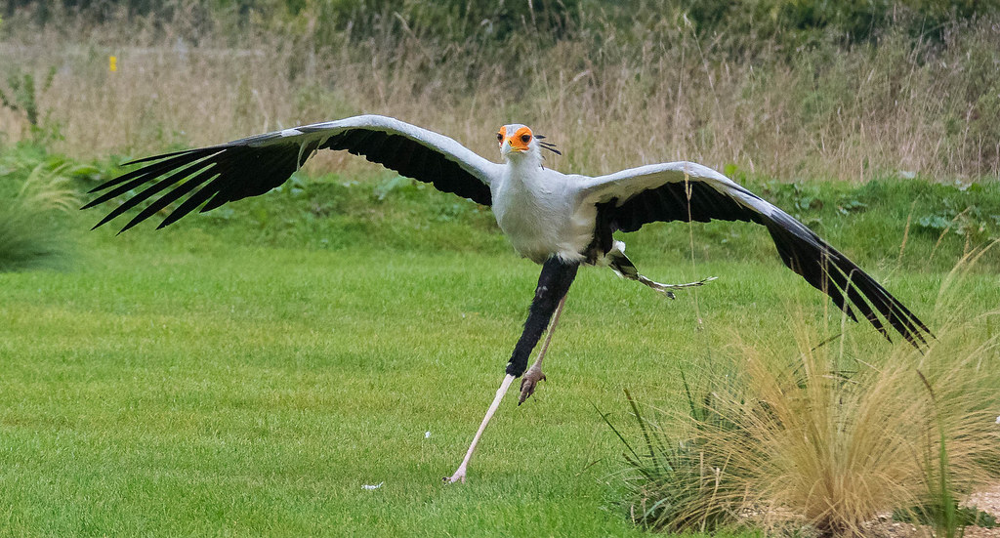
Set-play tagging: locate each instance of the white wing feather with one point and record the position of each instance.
(628, 183)
(211, 176)
(485, 170)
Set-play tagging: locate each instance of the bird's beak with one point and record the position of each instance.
(519, 147)
(510, 148)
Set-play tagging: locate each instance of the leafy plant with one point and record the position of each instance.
(26, 242)
(23, 98)
(971, 221)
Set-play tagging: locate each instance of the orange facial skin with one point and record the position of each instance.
(518, 141)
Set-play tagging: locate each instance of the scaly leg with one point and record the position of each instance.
(534, 374)
(553, 284)
(459, 475)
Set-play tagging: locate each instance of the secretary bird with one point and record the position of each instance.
(560, 221)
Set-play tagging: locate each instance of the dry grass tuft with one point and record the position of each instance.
(831, 437)
(836, 449)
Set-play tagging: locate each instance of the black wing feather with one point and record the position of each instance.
(800, 249)
(412, 159)
(133, 179)
(161, 203)
(191, 203)
(164, 183)
(244, 168)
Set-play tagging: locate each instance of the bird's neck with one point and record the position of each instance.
(524, 170)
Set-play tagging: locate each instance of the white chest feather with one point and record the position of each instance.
(537, 211)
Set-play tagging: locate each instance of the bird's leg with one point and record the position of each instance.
(624, 267)
(553, 284)
(459, 475)
(534, 373)
(665, 288)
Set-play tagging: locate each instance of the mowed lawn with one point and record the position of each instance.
(174, 384)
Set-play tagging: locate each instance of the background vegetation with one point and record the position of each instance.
(247, 371)
(794, 90)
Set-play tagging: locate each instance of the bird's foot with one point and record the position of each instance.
(459, 476)
(529, 381)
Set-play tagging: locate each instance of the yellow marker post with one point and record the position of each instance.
(112, 63)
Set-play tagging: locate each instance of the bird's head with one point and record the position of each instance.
(517, 142)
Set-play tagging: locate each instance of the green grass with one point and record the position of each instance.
(175, 383)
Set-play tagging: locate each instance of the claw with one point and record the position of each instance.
(529, 382)
(459, 476)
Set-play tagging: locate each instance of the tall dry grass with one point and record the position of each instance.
(837, 450)
(612, 97)
(830, 437)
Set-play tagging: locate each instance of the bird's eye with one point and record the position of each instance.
(526, 138)
(500, 137)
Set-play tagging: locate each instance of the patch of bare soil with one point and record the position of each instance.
(987, 500)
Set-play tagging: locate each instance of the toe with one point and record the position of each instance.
(526, 391)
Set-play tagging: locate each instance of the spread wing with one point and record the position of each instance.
(683, 191)
(211, 176)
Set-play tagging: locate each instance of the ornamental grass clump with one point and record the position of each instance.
(31, 234)
(678, 486)
(831, 438)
